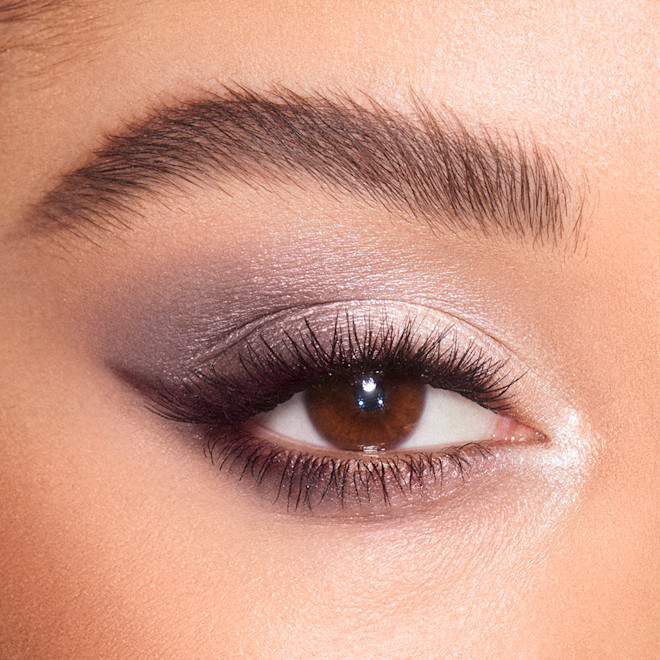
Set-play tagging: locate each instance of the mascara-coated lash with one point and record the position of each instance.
(303, 481)
(221, 402)
(270, 371)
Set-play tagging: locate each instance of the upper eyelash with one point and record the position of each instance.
(271, 373)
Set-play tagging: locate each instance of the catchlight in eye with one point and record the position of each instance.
(375, 411)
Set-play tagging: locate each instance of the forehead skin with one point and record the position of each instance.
(582, 78)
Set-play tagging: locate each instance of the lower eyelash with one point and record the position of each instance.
(304, 481)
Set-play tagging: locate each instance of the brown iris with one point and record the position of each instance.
(371, 412)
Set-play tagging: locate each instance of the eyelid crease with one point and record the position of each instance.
(210, 345)
(428, 165)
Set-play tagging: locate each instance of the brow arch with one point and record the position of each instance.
(426, 163)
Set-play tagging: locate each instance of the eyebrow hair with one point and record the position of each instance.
(15, 17)
(37, 36)
(428, 165)
(27, 23)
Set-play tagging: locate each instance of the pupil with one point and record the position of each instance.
(370, 395)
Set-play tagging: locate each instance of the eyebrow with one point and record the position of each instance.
(38, 26)
(426, 164)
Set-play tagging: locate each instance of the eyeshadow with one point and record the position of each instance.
(182, 299)
(175, 317)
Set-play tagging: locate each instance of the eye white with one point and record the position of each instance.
(447, 419)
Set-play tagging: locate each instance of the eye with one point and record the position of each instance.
(350, 413)
(378, 411)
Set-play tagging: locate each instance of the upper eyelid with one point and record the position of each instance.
(273, 372)
(375, 308)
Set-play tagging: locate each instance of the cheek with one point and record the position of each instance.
(119, 535)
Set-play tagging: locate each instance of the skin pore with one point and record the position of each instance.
(119, 537)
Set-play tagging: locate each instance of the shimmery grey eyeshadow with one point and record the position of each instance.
(191, 312)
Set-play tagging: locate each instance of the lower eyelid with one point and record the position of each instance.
(321, 480)
(368, 485)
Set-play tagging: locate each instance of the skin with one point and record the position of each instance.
(120, 539)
